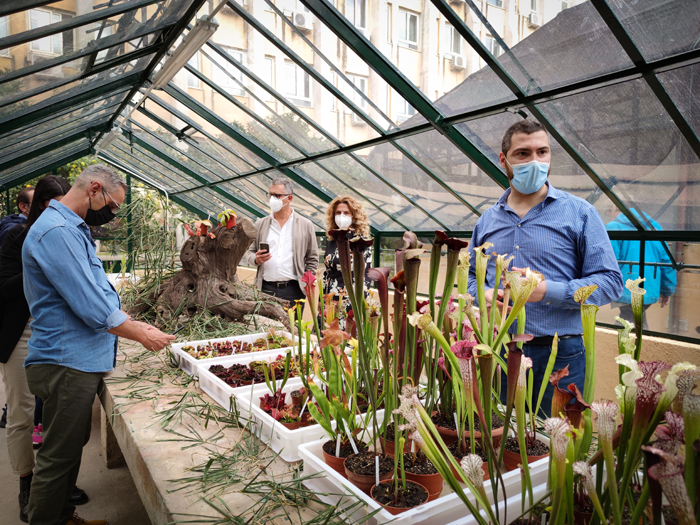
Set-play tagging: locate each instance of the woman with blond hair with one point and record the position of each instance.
(344, 213)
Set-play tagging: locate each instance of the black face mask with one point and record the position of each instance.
(99, 217)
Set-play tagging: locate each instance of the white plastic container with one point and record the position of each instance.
(446, 509)
(280, 439)
(191, 365)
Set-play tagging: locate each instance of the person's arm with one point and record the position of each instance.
(11, 256)
(474, 243)
(149, 336)
(249, 256)
(598, 266)
(311, 256)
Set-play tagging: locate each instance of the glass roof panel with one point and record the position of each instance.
(660, 28)
(682, 85)
(435, 58)
(268, 109)
(60, 119)
(214, 203)
(83, 39)
(208, 136)
(50, 135)
(571, 45)
(352, 174)
(10, 174)
(628, 138)
(169, 177)
(300, 87)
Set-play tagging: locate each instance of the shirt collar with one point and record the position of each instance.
(552, 194)
(67, 213)
(291, 217)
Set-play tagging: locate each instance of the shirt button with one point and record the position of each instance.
(519, 225)
(517, 247)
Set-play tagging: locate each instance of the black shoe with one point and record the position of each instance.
(25, 485)
(3, 419)
(78, 497)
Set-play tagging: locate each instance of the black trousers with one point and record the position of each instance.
(290, 293)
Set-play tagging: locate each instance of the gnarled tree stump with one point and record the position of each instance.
(208, 279)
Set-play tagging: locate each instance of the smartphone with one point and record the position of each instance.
(265, 246)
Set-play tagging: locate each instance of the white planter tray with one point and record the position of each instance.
(330, 487)
(280, 439)
(191, 365)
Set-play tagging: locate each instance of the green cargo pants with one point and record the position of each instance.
(68, 395)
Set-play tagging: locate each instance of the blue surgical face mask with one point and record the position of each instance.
(529, 177)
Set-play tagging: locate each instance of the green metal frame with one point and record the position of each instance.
(50, 164)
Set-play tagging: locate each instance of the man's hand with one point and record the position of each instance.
(262, 256)
(489, 297)
(153, 339)
(664, 300)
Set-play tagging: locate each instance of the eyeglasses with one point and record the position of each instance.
(118, 206)
(278, 195)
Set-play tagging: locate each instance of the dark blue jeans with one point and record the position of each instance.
(571, 352)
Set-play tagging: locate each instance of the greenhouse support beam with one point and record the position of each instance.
(64, 101)
(196, 176)
(172, 33)
(33, 171)
(654, 83)
(222, 125)
(72, 23)
(352, 37)
(515, 88)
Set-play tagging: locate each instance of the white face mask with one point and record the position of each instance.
(276, 204)
(343, 221)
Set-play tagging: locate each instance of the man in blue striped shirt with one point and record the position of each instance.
(556, 234)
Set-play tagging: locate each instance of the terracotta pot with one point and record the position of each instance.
(511, 460)
(291, 426)
(296, 400)
(448, 436)
(582, 518)
(397, 510)
(431, 482)
(390, 446)
(363, 482)
(306, 419)
(335, 463)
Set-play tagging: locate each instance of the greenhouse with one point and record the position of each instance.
(206, 108)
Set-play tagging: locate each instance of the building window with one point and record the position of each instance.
(493, 46)
(268, 76)
(228, 76)
(453, 40)
(408, 29)
(334, 81)
(192, 80)
(406, 111)
(387, 8)
(356, 12)
(296, 82)
(49, 44)
(495, 3)
(4, 31)
(533, 5)
(361, 84)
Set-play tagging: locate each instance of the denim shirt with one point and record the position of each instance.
(72, 302)
(564, 238)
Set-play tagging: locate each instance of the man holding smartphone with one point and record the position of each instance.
(284, 248)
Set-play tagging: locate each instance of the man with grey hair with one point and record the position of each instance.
(285, 246)
(77, 318)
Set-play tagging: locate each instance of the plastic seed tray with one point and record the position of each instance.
(280, 439)
(330, 486)
(192, 366)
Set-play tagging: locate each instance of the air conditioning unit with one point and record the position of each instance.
(302, 20)
(534, 20)
(356, 120)
(458, 62)
(53, 72)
